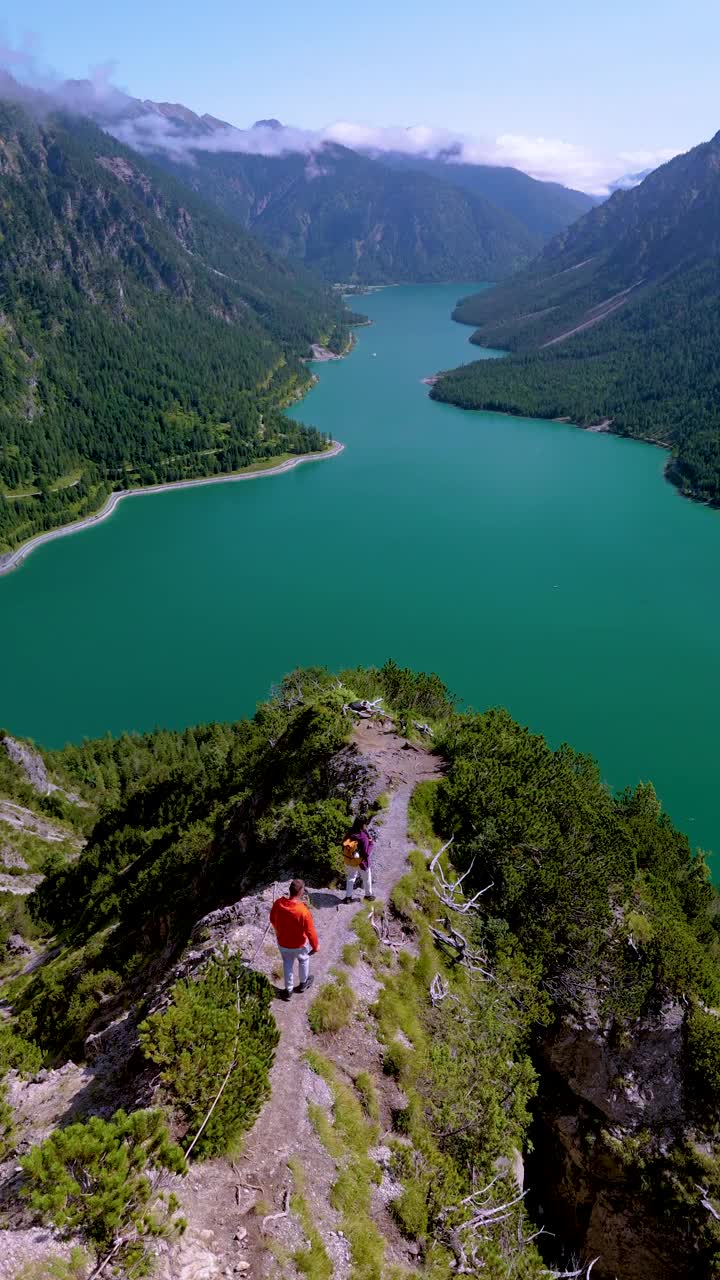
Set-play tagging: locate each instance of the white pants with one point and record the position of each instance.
(289, 956)
(365, 875)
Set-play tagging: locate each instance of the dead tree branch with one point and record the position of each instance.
(382, 930)
(582, 1274)
(706, 1203)
(450, 892)
(483, 1216)
(439, 991)
(283, 1213)
(456, 948)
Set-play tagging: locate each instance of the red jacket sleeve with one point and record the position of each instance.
(310, 930)
(273, 914)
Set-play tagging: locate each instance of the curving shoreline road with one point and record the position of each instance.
(13, 559)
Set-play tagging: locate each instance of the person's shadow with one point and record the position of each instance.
(323, 898)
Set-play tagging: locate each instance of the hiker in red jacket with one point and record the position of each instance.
(296, 936)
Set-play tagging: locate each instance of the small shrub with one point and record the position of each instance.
(96, 1178)
(18, 1054)
(421, 808)
(7, 1124)
(411, 1210)
(222, 1018)
(703, 1048)
(396, 1059)
(332, 1006)
(366, 935)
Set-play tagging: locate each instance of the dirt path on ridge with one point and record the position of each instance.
(217, 1194)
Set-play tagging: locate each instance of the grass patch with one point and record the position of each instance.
(420, 815)
(350, 954)
(313, 1261)
(324, 1129)
(367, 938)
(365, 1086)
(348, 1140)
(332, 1006)
(76, 1267)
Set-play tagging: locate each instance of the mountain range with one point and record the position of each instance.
(350, 217)
(617, 322)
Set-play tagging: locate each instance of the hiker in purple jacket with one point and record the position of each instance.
(363, 865)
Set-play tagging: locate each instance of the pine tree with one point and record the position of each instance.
(106, 1179)
(219, 1026)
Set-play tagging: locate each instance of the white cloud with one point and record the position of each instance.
(548, 159)
(149, 127)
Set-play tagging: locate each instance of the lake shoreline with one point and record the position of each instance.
(10, 560)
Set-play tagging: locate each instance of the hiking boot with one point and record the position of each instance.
(304, 985)
(348, 899)
(369, 897)
(285, 995)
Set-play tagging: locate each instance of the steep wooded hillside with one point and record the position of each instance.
(545, 208)
(143, 336)
(354, 220)
(617, 321)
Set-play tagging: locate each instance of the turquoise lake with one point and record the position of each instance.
(530, 564)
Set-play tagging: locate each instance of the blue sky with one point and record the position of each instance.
(573, 90)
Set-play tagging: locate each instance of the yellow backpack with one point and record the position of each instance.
(350, 850)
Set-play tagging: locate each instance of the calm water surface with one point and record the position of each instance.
(530, 564)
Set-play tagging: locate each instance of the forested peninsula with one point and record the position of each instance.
(143, 337)
(617, 321)
(509, 1067)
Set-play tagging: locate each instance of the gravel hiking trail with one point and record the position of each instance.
(217, 1195)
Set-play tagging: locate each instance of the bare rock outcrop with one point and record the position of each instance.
(34, 768)
(603, 1090)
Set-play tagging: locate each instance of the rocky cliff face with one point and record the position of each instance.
(610, 1100)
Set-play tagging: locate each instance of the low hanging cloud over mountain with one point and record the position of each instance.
(150, 126)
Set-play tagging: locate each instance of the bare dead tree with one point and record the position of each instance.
(450, 892)
(366, 710)
(457, 949)
(440, 990)
(583, 1273)
(706, 1202)
(465, 1238)
(382, 930)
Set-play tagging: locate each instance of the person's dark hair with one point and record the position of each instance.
(358, 824)
(296, 888)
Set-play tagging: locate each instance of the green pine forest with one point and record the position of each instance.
(616, 320)
(143, 338)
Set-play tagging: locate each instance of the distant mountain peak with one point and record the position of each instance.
(276, 125)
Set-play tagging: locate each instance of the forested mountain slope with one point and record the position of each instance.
(565, 1020)
(545, 208)
(354, 220)
(618, 319)
(143, 336)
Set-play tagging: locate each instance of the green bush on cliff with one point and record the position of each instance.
(216, 1027)
(104, 1180)
(703, 1051)
(7, 1123)
(543, 829)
